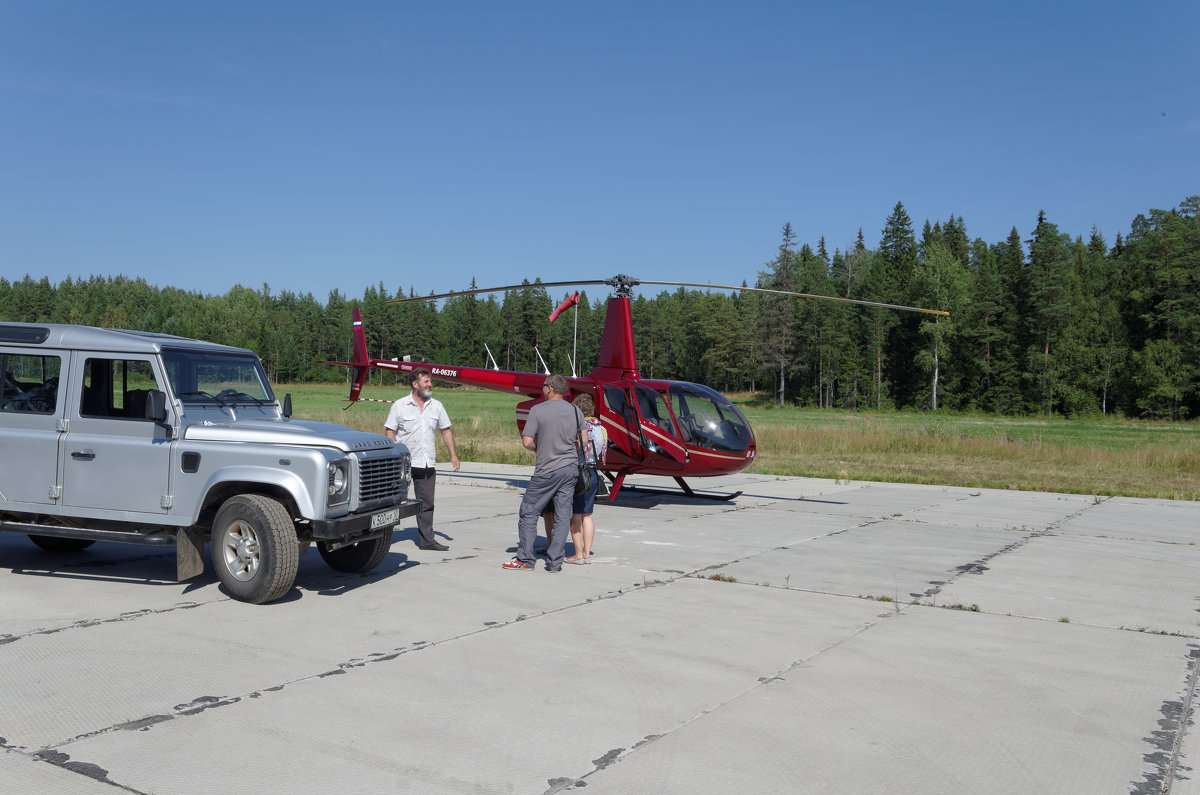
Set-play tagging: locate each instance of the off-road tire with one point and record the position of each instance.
(56, 544)
(254, 548)
(360, 557)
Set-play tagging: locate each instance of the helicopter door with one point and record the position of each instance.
(621, 421)
(660, 438)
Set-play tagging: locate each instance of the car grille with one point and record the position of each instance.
(382, 478)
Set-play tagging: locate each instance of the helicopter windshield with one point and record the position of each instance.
(707, 419)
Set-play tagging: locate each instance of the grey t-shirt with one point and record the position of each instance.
(553, 424)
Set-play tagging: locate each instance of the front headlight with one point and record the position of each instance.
(339, 481)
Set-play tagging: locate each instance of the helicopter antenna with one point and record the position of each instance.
(539, 354)
(491, 358)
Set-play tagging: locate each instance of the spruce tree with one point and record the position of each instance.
(779, 319)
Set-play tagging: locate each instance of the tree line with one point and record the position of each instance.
(1048, 324)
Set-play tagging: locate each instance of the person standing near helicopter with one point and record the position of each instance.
(549, 433)
(595, 444)
(412, 420)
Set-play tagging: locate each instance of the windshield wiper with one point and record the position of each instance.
(239, 395)
(200, 393)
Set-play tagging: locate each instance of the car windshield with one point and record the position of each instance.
(223, 378)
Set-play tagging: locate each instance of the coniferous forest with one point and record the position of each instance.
(1041, 323)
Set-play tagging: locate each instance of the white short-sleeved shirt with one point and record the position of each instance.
(415, 427)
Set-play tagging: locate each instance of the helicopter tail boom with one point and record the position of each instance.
(362, 364)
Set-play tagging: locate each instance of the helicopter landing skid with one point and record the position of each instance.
(687, 490)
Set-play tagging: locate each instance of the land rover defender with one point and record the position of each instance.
(140, 438)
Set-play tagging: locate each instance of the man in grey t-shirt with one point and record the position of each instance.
(550, 432)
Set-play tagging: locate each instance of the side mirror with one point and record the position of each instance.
(156, 405)
(287, 405)
(156, 409)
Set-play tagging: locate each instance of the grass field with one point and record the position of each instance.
(1106, 456)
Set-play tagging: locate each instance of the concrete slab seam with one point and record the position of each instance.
(569, 783)
(1096, 501)
(204, 703)
(95, 622)
(1167, 740)
(86, 769)
(977, 566)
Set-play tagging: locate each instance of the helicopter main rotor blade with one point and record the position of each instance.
(625, 283)
(805, 295)
(493, 290)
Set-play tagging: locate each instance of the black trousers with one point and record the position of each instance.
(424, 480)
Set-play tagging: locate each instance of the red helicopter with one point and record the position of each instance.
(655, 427)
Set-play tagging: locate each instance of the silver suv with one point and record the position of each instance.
(141, 438)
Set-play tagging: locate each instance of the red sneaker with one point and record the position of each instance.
(516, 565)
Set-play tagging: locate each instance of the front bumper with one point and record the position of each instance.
(357, 527)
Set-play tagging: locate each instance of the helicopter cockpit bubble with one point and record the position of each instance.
(707, 418)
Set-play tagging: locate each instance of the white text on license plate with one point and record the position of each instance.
(385, 518)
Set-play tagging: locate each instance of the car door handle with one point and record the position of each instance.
(84, 455)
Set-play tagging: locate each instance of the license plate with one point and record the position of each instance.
(386, 518)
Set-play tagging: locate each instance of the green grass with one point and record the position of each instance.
(1101, 456)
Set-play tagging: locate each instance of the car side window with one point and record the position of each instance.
(30, 383)
(116, 388)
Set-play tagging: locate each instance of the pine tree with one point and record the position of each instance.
(779, 320)
(898, 256)
(1007, 395)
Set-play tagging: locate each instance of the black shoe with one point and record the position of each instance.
(434, 547)
(553, 568)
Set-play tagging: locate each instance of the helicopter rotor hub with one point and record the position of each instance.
(622, 285)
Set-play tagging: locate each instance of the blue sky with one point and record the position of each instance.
(319, 146)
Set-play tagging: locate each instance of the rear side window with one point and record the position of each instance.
(30, 383)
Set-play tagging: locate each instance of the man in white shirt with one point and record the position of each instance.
(412, 421)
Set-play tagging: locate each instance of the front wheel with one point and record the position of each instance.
(254, 548)
(363, 556)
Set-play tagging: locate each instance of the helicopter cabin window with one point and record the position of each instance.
(30, 383)
(615, 398)
(707, 419)
(654, 409)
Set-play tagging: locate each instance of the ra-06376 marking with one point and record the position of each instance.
(140, 438)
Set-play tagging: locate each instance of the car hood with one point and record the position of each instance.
(290, 432)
